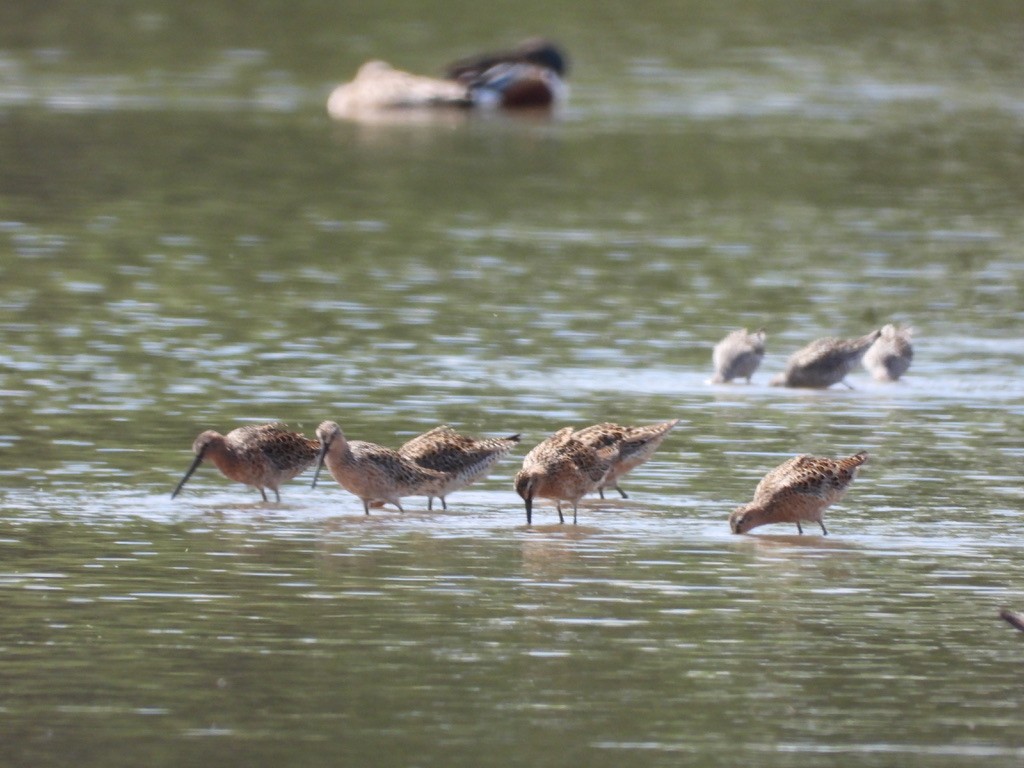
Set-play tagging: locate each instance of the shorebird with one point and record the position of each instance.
(738, 355)
(463, 459)
(1013, 618)
(372, 472)
(824, 362)
(564, 469)
(889, 357)
(799, 489)
(636, 445)
(263, 455)
(529, 75)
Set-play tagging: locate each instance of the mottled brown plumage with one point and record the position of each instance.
(463, 459)
(797, 490)
(635, 444)
(263, 455)
(738, 355)
(372, 472)
(824, 362)
(564, 469)
(889, 357)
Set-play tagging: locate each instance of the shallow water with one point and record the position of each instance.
(187, 242)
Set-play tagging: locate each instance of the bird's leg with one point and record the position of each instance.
(558, 506)
(621, 492)
(366, 506)
(444, 504)
(799, 529)
(430, 503)
(600, 491)
(574, 512)
(277, 496)
(823, 531)
(263, 494)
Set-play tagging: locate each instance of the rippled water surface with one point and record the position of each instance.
(187, 242)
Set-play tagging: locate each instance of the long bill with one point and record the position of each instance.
(529, 510)
(195, 465)
(319, 462)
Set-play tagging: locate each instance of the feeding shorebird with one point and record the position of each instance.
(824, 362)
(263, 455)
(529, 75)
(372, 472)
(564, 469)
(636, 445)
(799, 489)
(889, 357)
(463, 459)
(738, 355)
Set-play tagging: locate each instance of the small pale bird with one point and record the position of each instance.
(738, 355)
(889, 357)
(797, 490)
(262, 455)
(463, 459)
(824, 362)
(372, 472)
(636, 445)
(564, 469)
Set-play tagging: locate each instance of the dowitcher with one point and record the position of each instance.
(372, 472)
(529, 75)
(463, 459)
(263, 455)
(1013, 618)
(738, 355)
(636, 445)
(889, 357)
(564, 469)
(824, 362)
(799, 489)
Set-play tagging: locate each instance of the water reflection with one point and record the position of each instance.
(189, 243)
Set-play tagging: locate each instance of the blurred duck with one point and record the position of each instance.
(890, 356)
(738, 355)
(824, 362)
(529, 75)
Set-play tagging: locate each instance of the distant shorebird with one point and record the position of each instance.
(636, 445)
(824, 362)
(529, 75)
(372, 472)
(1013, 618)
(799, 489)
(463, 459)
(564, 469)
(263, 456)
(738, 355)
(890, 356)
